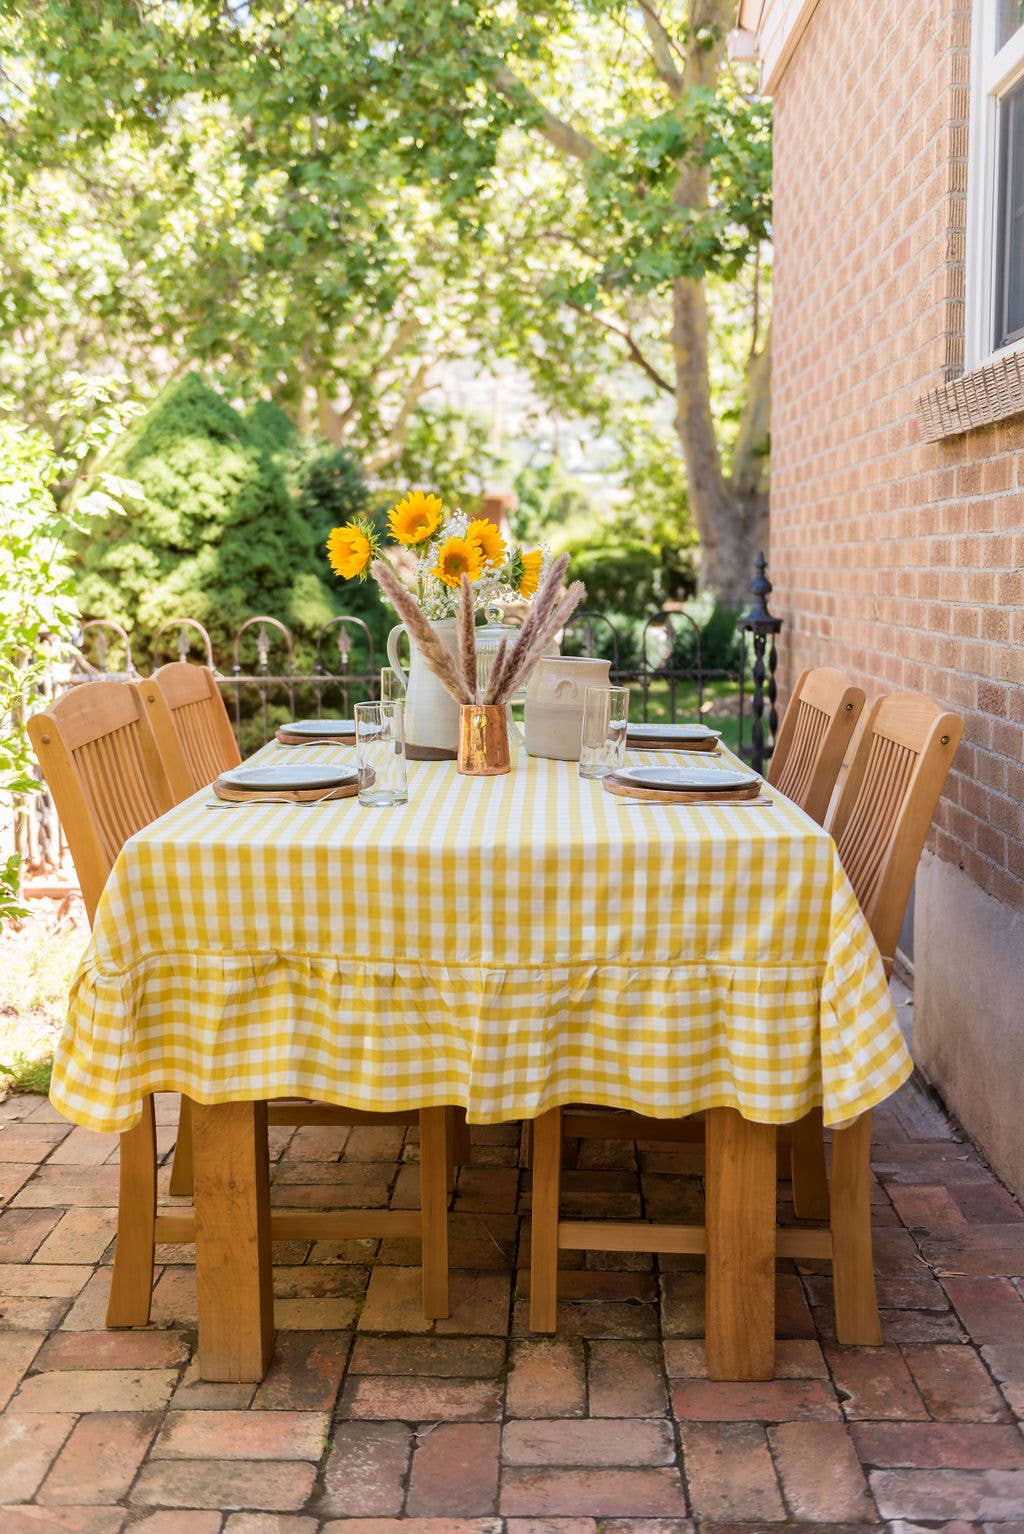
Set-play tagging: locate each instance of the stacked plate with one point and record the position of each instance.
(686, 783)
(286, 784)
(304, 732)
(672, 737)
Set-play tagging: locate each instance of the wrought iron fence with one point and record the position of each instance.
(265, 683)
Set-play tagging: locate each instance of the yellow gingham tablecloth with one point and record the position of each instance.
(506, 944)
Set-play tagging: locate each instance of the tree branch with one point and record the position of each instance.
(562, 135)
(661, 49)
(399, 429)
(635, 354)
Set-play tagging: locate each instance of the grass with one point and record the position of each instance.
(37, 962)
(720, 709)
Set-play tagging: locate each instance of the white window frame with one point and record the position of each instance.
(993, 74)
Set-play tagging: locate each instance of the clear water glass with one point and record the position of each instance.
(380, 753)
(605, 719)
(392, 688)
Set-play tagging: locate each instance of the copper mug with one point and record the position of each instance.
(483, 740)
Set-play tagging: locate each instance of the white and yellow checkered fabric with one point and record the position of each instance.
(506, 944)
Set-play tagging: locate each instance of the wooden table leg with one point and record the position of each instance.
(547, 1186)
(807, 1167)
(434, 1125)
(233, 1272)
(182, 1180)
(131, 1285)
(740, 1223)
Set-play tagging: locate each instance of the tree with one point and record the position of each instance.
(374, 188)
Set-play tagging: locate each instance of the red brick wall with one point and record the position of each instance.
(898, 560)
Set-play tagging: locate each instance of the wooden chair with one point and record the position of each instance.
(880, 823)
(185, 707)
(817, 727)
(109, 778)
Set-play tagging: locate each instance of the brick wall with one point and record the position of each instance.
(900, 561)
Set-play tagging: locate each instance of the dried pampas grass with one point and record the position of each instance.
(436, 654)
(467, 639)
(552, 608)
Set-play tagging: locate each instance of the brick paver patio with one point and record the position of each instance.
(370, 1415)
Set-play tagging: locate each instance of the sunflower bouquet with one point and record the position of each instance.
(445, 547)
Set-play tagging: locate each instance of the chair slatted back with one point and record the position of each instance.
(184, 702)
(886, 805)
(103, 768)
(816, 729)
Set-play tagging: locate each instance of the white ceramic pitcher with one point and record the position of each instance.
(554, 703)
(431, 713)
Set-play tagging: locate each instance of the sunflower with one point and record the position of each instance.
(488, 540)
(458, 557)
(350, 549)
(530, 580)
(415, 518)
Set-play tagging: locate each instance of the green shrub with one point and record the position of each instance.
(214, 533)
(619, 577)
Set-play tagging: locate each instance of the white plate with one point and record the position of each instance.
(314, 727)
(704, 779)
(670, 732)
(287, 779)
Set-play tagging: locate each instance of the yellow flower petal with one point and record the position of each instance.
(415, 518)
(458, 557)
(348, 551)
(531, 573)
(488, 539)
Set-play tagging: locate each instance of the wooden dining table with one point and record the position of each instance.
(505, 945)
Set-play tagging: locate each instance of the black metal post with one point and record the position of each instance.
(764, 627)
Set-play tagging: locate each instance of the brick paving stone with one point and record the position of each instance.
(269, 1523)
(931, 1209)
(647, 1526)
(319, 1280)
(547, 1378)
(991, 1308)
(28, 1142)
(487, 1190)
(398, 1398)
(985, 1204)
(419, 1526)
(795, 1358)
(306, 1371)
(196, 1394)
(192, 1520)
(241, 1435)
(1006, 1363)
(875, 1382)
(317, 1142)
(982, 1249)
(114, 1350)
(682, 1304)
(394, 1302)
(585, 1318)
(28, 1446)
(478, 1304)
(939, 1445)
(77, 1186)
(444, 1357)
(100, 1458)
(86, 1390)
(729, 1471)
(174, 1297)
(932, 1494)
(604, 1493)
(30, 1313)
(22, 1231)
(83, 1147)
(595, 1441)
(314, 1315)
(366, 1469)
(557, 1525)
(821, 1475)
(955, 1385)
(793, 1317)
(761, 1401)
(455, 1470)
(43, 1279)
(225, 1484)
(625, 1379)
(907, 1328)
(14, 1175)
(17, 1350)
(67, 1520)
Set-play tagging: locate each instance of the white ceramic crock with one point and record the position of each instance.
(554, 704)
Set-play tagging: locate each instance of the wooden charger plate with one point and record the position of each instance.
(622, 790)
(645, 744)
(286, 737)
(282, 796)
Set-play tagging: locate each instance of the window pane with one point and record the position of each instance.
(1011, 19)
(1010, 247)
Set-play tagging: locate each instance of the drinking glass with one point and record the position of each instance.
(380, 753)
(605, 715)
(392, 688)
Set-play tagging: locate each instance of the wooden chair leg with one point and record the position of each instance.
(807, 1167)
(526, 1145)
(462, 1145)
(434, 1126)
(234, 1283)
(131, 1287)
(547, 1184)
(853, 1272)
(182, 1175)
(740, 1225)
